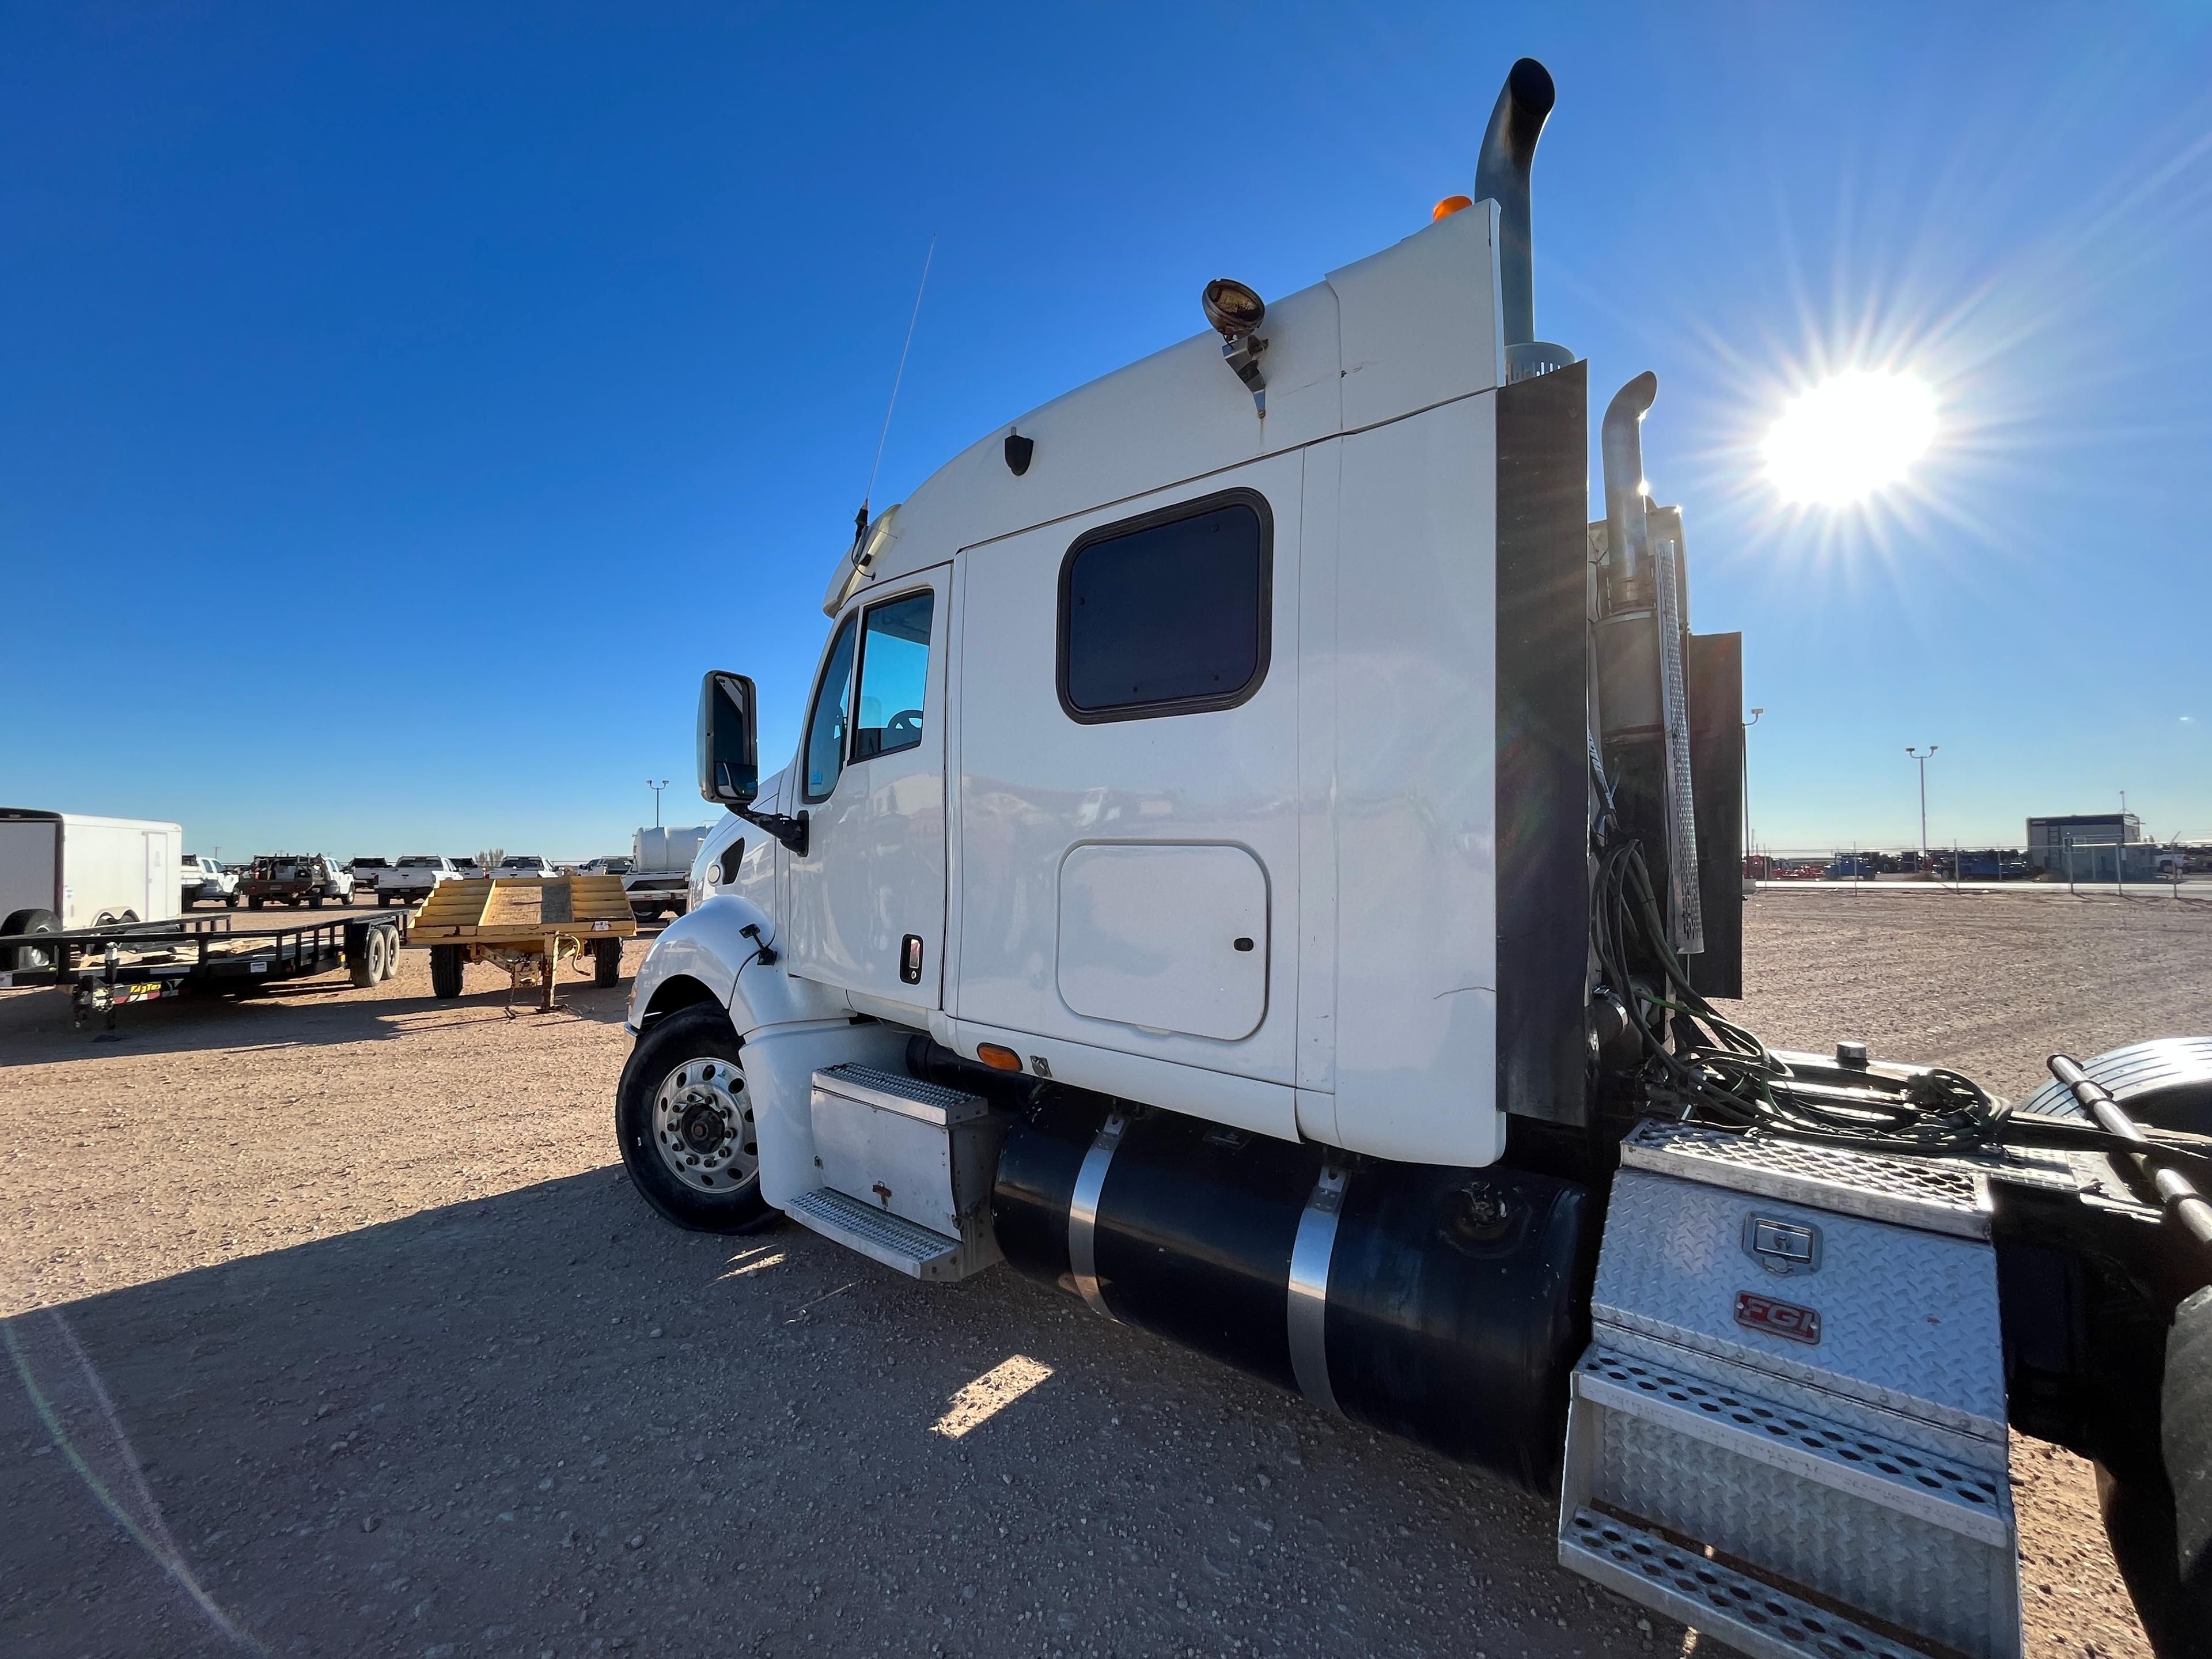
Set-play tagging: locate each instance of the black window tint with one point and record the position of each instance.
(1168, 615)
(825, 720)
(894, 674)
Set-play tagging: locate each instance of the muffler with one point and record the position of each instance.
(1443, 1305)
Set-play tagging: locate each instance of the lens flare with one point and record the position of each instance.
(1849, 436)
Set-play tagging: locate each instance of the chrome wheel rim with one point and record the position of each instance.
(703, 1126)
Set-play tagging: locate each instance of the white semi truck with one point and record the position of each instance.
(1259, 860)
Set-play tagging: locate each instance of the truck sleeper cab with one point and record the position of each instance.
(1183, 891)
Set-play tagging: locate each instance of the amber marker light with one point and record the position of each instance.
(1002, 1059)
(1449, 205)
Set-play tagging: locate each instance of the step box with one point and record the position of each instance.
(909, 1152)
(1791, 1415)
(1909, 1539)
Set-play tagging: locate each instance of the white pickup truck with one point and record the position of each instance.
(200, 878)
(410, 880)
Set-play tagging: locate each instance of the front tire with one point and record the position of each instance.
(684, 1123)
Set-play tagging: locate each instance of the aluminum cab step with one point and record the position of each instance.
(878, 1234)
(1755, 1619)
(1795, 1365)
(1913, 1539)
(905, 1168)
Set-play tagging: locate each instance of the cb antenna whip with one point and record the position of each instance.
(860, 526)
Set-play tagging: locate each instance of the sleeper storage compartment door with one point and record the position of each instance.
(1165, 936)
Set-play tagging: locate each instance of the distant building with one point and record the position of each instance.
(2088, 846)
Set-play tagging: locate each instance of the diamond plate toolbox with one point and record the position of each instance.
(1895, 1318)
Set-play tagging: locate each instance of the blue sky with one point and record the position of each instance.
(400, 407)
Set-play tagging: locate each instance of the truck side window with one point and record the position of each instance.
(1168, 614)
(894, 674)
(825, 720)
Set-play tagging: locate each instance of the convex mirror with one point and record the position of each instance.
(729, 768)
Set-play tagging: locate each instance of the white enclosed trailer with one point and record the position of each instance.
(1259, 859)
(64, 870)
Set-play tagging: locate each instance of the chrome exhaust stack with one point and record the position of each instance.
(1501, 175)
(1642, 643)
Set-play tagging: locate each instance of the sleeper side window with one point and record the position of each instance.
(894, 674)
(1168, 614)
(826, 719)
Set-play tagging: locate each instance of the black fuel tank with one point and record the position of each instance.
(1449, 1301)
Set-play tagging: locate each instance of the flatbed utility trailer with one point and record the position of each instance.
(525, 925)
(107, 968)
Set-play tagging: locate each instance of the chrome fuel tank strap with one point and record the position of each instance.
(1308, 1300)
(1083, 1213)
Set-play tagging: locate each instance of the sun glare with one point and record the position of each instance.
(1849, 436)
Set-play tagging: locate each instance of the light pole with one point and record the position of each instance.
(1923, 760)
(656, 788)
(1748, 724)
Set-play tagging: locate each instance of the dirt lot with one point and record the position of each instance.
(333, 1327)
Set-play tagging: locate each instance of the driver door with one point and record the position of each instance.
(867, 902)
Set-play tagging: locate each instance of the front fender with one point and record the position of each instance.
(790, 1027)
(709, 945)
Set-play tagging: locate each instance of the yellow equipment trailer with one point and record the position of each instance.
(525, 925)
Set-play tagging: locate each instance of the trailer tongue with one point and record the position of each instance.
(1260, 859)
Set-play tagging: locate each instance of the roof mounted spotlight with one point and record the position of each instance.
(1234, 312)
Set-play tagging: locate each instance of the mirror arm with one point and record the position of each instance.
(791, 831)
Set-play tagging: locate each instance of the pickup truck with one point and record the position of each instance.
(523, 866)
(295, 878)
(368, 873)
(409, 881)
(201, 878)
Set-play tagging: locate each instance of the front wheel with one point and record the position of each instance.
(230, 902)
(684, 1122)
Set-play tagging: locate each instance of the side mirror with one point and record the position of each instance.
(729, 766)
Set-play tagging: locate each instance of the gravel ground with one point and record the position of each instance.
(334, 1329)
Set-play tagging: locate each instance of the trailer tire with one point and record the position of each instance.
(33, 920)
(368, 963)
(445, 966)
(391, 952)
(685, 1125)
(606, 963)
